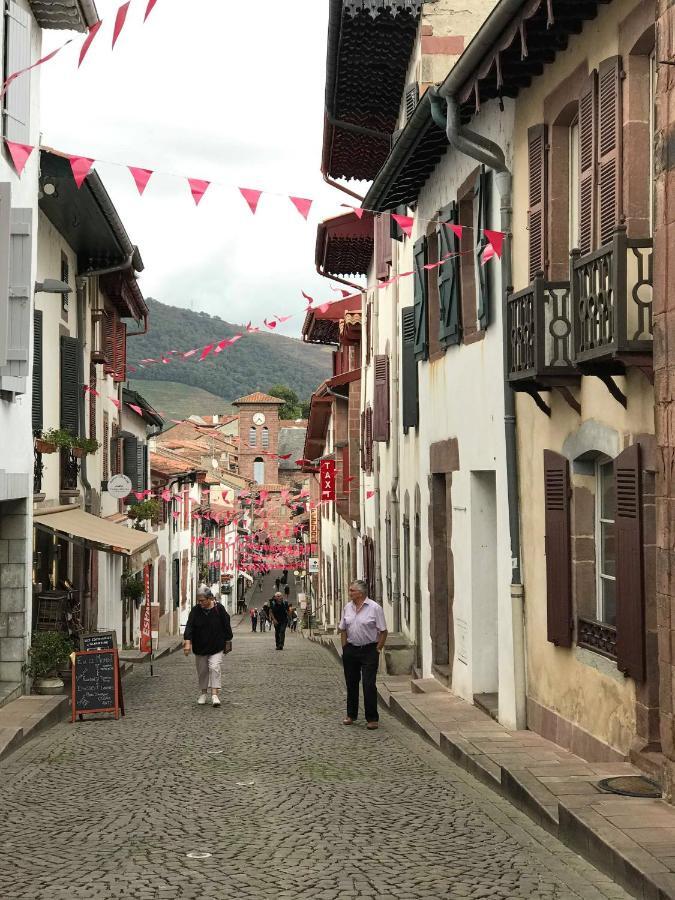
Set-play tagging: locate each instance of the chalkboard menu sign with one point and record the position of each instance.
(96, 683)
(100, 640)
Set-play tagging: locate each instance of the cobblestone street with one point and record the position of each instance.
(290, 803)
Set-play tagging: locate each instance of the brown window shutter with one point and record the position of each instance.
(369, 316)
(609, 147)
(558, 549)
(369, 440)
(587, 145)
(630, 607)
(109, 342)
(363, 441)
(537, 140)
(120, 364)
(106, 447)
(381, 412)
(382, 245)
(92, 401)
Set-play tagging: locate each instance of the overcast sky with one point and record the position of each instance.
(226, 91)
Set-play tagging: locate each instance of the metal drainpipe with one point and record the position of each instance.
(396, 468)
(376, 468)
(81, 287)
(491, 154)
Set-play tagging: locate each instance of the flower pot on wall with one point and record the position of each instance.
(77, 452)
(52, 686)
(44, 446)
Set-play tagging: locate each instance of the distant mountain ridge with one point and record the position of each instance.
(253, 363)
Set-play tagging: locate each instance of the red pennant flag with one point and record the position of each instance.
(270, 325)
(405, 223)
(205, 352)
(139, 496)
(189, 353)
(324, 307)
(198, 188)
(149, 9)
(120, 19)
(19, 154)
(458, 230)
(370, 494)
(141, 177)
(81, 166)
(14, 75)
(496, 238)
(115, 402)
(283, 319)
(252, 197)
(358, 212)
(339, 291)
(302, 205)
(93, 31)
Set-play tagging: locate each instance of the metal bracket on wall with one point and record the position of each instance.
(541, 403)
(569, 398)
(614, 389)
(648, 372)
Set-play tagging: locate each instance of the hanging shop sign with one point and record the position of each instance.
(119, 486)
(327, 476)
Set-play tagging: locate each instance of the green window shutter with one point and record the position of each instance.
(450, 331)
(17, 57)
(37, 372)
(481, 217)
(410, 385)
(70, 385)
(131, 461)
(421, 299)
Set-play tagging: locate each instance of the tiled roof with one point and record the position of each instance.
(291, 440)
(344, 244)
(75, 15)
(258, 397)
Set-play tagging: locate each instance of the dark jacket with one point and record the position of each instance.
(208, 629)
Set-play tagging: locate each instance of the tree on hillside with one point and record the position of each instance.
(292, 408)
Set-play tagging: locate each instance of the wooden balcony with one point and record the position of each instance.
(539, 322)
(612, 300)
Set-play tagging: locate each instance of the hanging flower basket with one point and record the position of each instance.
(44, 446)
(77, 452)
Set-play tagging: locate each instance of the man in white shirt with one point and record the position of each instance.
(363, 632)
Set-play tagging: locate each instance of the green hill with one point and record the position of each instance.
(179, 401)
(253, 363)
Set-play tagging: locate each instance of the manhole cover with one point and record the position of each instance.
(195, 854)
(631, 786)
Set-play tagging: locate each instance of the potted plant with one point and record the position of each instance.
(49, 651)
(61, 439)
(145, 510)
(133, 589)
(83, 445)
(43, 446)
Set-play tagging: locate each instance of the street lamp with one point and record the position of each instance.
(52, 286)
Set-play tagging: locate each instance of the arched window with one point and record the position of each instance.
(265, 438)
(259, 470)
(252, 436)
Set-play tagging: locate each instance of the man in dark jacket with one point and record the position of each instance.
(208, 635)
(279, 613)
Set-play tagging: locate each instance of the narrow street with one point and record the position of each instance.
(290, 803)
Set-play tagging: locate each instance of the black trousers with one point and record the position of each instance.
(360, 664)
(280, 633)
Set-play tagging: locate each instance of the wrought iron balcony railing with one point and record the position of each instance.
(540, 336)
(612, 296)
(70, 469)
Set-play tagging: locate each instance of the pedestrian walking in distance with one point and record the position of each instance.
(262, 621)
(363, 632)
(294, 619)
(279, 613)
(208, 635)
(287, 591)
(254, 619)
(266, 614)
(277, 583)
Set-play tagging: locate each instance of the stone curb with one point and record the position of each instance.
(649, 881)
(59, 712)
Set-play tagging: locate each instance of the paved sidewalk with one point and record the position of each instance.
(632, 839)
(290, 803)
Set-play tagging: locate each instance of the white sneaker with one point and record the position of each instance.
(215, 700)
(201, 699)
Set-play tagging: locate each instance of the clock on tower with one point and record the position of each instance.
(258, 418)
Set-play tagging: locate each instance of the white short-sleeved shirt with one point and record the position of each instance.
(365, 625)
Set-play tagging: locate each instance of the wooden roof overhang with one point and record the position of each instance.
(536, 32)
(344, 244)
(321, 408)
(324, 327)
(369, 48)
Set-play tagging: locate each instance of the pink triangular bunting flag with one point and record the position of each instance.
(141, 177)
(405, 223)
(358, 212)
(19, 154)
(457, 230)
(205, 352)
(81, 166)
(252, 197)
(302, 205)
(496, 239)
(93, 31)
(136, 409)
(115, 402)
(149, 8)
(488, 254)
(120, 19)
(198, 188)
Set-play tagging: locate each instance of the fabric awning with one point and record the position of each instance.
(102, 534)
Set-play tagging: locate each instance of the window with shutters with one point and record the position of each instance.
(259, 470)
(450, 329)
(605, 542)
(252, 436)
(387, 551)
(70, 385)
(382, 245)
(409, 372)
(421, 304)
(92, 401)
(38, 402)
(381, 418)
(15, 329)
(537, 138)
(106, 447)
(573, 184)
(265, 438)
(467, 261)
(16, 101)
(406, 566)
(115, 451)
(65, 278)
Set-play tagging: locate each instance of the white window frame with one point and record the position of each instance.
(600, 576)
